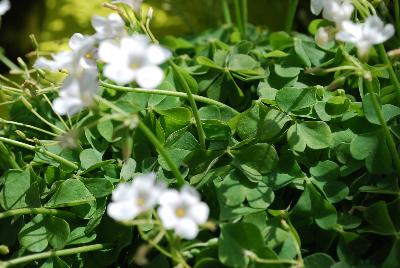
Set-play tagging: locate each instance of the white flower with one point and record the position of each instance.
(5, 6)
(183, 211)
(81, 56)
(134, 4)
(86, 46)
(134, 59)
(109, 27)
(338, 11)
(132, 198)
(373, 31)
(76, 92)
(333, 10)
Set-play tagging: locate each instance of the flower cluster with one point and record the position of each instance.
(179, 211)
(364, 35)
(127, 58)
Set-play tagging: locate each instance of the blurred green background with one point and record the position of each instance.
(53, 21)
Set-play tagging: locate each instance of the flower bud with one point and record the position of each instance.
(322, 36)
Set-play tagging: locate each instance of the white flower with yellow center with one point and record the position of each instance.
(134, 4)
(372, 32)
(76, 92)
(133, 198)
(109, 27)
(337, 11)
(183, 211)
(5, 6)
(89, 56)
(134, 59)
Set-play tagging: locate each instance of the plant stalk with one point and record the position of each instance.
(389, 138)
(392, 73)
(160, 148)
(44, 211)
(52, 253)
(200, 130)
(40, 150)
(239, 19)
(226, 12)
(291, 15)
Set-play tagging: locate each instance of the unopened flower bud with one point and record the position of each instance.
(322, 36)
(150, 12)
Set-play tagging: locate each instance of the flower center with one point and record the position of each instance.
(135, 66)
(140, 201)
(180, 212)
(89, 56)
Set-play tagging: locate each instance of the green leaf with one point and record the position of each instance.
(287, 72)
(298, 47)
(318, 260)
(57, 231)
(261, 157)
(128, 169)
(78, 236)
(389, 111)
(317, 135)
(325, 170)
(18, 192)
(43, 230)
(236, 239)
(89, 158)
(241, 62)
(364, 145)
(377, 215)
(293, 99)
(106, 130)
(216, 130)
(99, 187)
(71, 192)
(261, 122)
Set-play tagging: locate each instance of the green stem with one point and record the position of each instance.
(397, 15)
(291, 15)
(160, 148)
(245, 16)
(45, 211)
(392, 73)
(168, 93)
(200, 130)
(40, 150)
(389, 138)
(28, 126)
(239, 19)
(9, 156)
(227, 12)
(52, 253)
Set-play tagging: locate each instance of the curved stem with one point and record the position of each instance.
(291, 15)
(392, 73)
(40, 150)
(10, 157)
(168, 93)
(389, 138)
(52, 253)
(160, 148)
(200, 130)
(28, 126)
(44, 211)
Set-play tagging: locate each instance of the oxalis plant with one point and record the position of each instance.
(240, 147)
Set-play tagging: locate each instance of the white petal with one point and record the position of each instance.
(122, 192)
(149, 77)
(43, 63)
(170, 198)
(67, 106)
(76, 41)
(135, 45)
(144, 182)
(109, 51)
(5, 6)
(167, 217)
(199, 212)
(187, 229)
(190, 196)
(317, 6)
(387, 33)
(157, 54)
(122, 211)
(121, 75)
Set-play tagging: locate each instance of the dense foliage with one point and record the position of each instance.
(298, 168)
